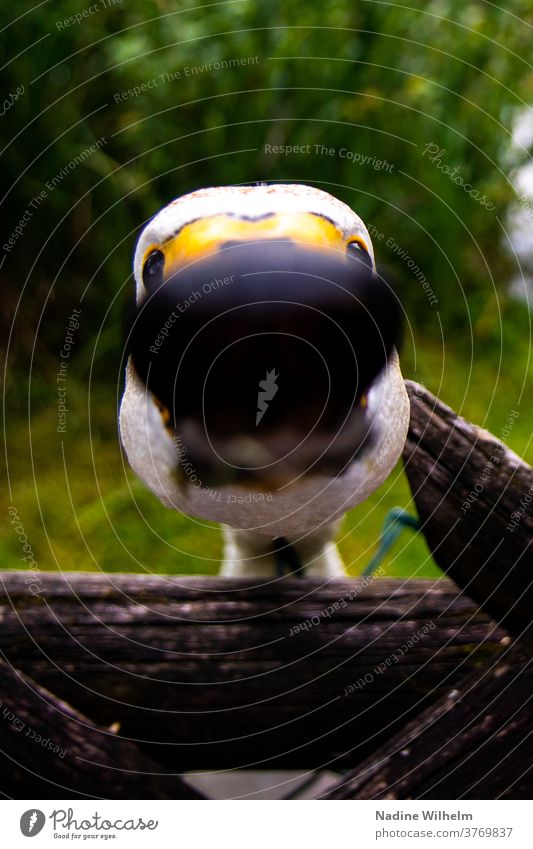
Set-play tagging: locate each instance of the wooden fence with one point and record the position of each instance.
(115, 685)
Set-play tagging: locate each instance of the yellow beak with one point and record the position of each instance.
(206, 236)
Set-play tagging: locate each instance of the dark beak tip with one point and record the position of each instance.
(202, 348)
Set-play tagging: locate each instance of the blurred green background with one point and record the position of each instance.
(110, 115)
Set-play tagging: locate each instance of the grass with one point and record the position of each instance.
(82, 509)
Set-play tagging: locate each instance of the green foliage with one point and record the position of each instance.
(375, 81)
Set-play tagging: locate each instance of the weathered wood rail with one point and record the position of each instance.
(474, 498)
(476, 742)
(49, 750)
(208, 671)
(406, 685)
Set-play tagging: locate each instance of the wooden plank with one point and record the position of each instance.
(50, 751)
(475, 500)
(228, 673)
(475, 743)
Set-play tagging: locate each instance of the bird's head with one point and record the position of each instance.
(261, 324)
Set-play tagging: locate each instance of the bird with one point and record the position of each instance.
(263, 387)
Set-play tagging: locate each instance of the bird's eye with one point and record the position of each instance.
(360, 253)
(153, 271)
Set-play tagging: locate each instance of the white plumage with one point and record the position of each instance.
(305, 513)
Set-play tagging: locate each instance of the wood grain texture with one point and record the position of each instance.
(475, 500)
(474, 743)
(50, 751)
(225, 673)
